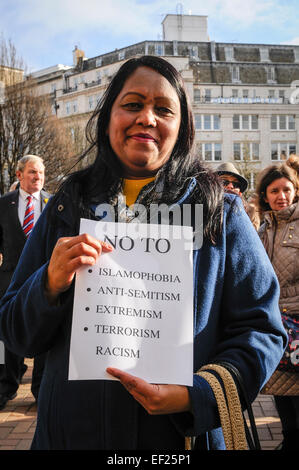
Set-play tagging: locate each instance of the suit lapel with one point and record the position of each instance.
(43, 199)
(14, 205)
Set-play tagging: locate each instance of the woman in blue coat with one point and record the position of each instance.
(144, 136)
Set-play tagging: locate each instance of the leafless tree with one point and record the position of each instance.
(27, 124)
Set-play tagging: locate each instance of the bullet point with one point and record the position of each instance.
(90, 270)
(88, 289)
(85, 329)
(87, 308)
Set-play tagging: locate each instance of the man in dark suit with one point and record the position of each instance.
(19, 211)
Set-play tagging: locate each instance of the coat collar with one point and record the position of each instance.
(66, 211)
(290, 213)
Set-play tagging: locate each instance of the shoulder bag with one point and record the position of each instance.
(285, 380)
(229, 390)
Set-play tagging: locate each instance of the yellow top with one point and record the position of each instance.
(132, 188)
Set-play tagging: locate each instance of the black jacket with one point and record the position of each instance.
(12, 238)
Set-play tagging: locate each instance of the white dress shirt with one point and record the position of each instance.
(23, 203)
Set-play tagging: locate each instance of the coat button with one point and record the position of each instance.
(60, 207)
(284, 310)
(284, 242)
(290, 236)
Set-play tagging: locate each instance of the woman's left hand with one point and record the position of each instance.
(156, 399)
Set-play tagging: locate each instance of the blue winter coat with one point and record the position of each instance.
(236, 319)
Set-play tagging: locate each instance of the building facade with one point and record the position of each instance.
(245, 97)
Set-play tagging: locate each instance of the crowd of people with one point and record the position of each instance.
(144, 136)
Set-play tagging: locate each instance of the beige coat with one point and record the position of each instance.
(280, 236)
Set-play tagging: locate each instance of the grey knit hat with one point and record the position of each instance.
(229, 169)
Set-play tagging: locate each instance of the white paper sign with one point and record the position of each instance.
(133, 310)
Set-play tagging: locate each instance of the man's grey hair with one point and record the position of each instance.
(28, 158)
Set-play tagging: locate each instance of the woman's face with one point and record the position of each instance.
(144, 123)
(280, 194)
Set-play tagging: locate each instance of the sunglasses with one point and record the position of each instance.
(235, 184)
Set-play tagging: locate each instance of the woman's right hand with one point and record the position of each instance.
(69, 254)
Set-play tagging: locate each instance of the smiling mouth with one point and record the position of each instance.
(143, 138)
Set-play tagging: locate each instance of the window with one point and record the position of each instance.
(98, 76)
(197, 119)
(235, 93)
(245, 93)
(207, 122)
(270, 74)
(235, 73)
(207, 152)
(53, 87)
(271, 93)
(283, 147)
(105, 73)
(273, 122)
(254, 122)
(196, 95)
(211, 152)
(245, 121)
(291, 122)
(281, 94)
(282, 122)
(90, 102)
(71, 107)
(207, 95)
(237, 151)
(217, 152)
(99, 62)
(229, 53)
(236, 121)
(292, 148)
(255, 151)
(74, 106)
(282, 150)
(246, 151)
(216, 122)
(193, 52)
(121, 55)
(159, 49)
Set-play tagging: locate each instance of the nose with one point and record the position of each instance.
(230, 185)
(146, 117)
(282, 195)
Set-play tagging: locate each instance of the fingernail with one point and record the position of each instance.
(107, 245)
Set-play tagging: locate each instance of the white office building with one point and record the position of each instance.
(245, 96)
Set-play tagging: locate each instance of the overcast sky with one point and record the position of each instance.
(46, 31)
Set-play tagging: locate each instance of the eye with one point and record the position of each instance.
(132, 106)
(163, 110)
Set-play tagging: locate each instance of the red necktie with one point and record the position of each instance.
(28, 217)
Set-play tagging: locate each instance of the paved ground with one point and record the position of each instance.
(18, 419)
